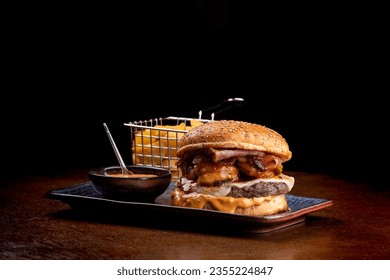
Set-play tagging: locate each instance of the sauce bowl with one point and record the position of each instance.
(148, 182)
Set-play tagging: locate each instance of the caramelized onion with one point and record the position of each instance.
(204, 168)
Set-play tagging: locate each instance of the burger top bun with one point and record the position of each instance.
(231, 134)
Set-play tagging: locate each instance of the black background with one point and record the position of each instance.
(307, 74)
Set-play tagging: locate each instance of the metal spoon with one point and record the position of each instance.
(125, 171)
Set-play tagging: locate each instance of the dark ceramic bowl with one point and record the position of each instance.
(111, 184)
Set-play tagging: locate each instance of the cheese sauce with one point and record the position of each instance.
(136, 175)
(225, 204)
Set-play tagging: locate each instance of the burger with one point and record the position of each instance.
(233, 166)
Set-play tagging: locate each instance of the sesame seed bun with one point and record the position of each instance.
(231, 134)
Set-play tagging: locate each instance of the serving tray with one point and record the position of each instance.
(86, 198)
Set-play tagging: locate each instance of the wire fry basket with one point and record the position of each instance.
(154, 142)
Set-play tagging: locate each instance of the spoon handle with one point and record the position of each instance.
(118, 156)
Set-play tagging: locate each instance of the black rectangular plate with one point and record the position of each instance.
(86, 197)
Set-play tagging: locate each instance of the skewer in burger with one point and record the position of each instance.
(233, 166)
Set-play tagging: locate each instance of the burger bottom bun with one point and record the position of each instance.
(276, 205)
(269, 206)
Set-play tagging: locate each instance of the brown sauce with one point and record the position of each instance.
(132, 175)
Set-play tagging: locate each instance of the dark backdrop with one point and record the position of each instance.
(306, 75)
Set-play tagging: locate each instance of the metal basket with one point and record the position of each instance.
(155, 141)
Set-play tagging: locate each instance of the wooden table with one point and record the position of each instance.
(33, 226)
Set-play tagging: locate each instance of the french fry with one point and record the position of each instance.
(181, 126)
(149, 154)
(143, 138)
(158, 147)
(194, 123)
(172, 140)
